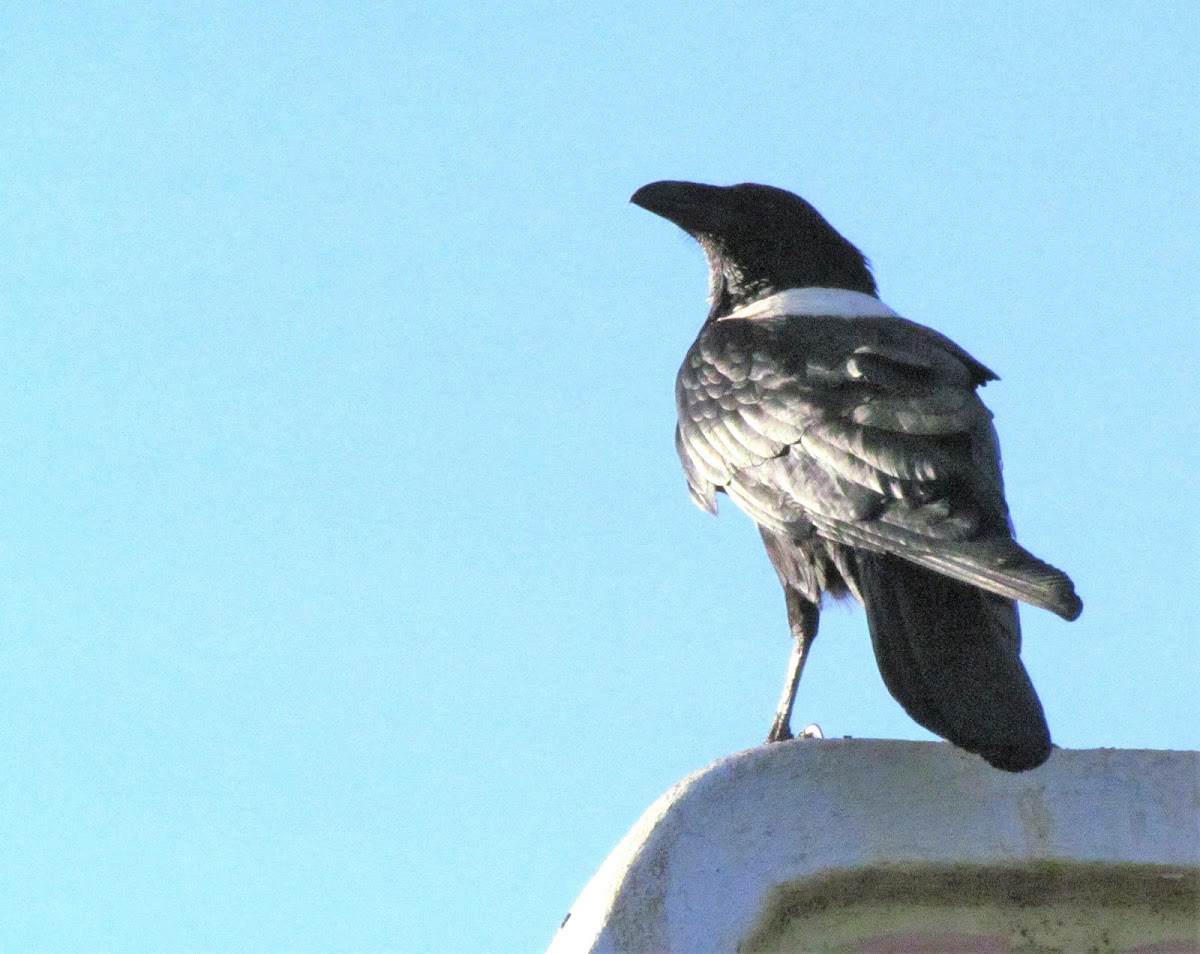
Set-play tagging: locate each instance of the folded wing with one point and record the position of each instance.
(867, 431)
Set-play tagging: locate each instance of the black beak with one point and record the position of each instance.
(692, 206)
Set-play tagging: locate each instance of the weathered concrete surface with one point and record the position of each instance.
(855, 844)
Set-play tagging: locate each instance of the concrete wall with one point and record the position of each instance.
(886, 847)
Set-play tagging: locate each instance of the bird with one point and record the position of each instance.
(857, 442)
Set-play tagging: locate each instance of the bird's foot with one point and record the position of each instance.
(781, 732)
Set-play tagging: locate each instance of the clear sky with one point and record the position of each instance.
(351, 597)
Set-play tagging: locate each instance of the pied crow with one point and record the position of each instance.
(857, 443)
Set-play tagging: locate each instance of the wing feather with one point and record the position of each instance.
(869, 431)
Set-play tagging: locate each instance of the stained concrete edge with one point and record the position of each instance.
(702, 866)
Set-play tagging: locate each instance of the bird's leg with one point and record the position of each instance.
(803, 616)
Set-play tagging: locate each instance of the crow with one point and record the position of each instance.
(857, 443)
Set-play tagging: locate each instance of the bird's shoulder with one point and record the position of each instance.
(815, 366)
(844, 414)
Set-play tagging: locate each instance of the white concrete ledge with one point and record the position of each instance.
(846, 843)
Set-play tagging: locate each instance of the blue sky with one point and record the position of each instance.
(351, 595)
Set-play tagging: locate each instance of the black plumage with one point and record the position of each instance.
(856, 440)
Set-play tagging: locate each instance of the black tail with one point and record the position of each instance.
(950, 654)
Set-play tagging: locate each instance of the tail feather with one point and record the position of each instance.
(950, 655)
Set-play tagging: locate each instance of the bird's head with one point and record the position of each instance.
(759, 240)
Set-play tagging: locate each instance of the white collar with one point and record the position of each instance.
(832, 302)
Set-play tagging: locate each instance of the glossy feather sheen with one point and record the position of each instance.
(898, 456)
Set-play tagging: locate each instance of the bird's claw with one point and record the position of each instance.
(782, 733)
